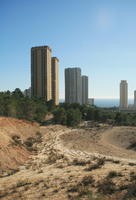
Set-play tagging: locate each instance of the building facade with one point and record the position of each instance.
(73, 85)
(123, 94)
(84, 90)
(91, 101)
(135, 98)
(44, 74)
(27, 92)
(41, 72)
(55, 79)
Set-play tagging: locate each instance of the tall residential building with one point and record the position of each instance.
(91, 101)
(73, 85)
(135, 98)
(84, 90)
(41, 72)
(27, 92)
(55, 79)
(123, 94)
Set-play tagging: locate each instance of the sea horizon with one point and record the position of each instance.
(106, 102)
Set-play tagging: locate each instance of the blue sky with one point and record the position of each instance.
(99, 36)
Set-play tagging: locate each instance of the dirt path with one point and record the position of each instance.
(110, 142)
(65, 158)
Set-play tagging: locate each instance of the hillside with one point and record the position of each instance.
(71, 163)
(12, 155)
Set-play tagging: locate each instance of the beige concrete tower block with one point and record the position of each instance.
(123, 94)
(55, 79)
(41, 84)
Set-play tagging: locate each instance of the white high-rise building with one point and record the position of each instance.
(84, 90)
(135, 98)
(73, 85)
(123, 94)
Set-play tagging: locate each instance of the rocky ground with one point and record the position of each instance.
(75, 164)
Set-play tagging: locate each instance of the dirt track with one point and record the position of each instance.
(63, 160)
(107, 142)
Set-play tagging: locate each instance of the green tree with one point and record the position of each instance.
(40, 112)
(17, 93)
(5, 101)
(73, 117)
(50, 105)
(60, 116)
(25, 109)
(118, 118)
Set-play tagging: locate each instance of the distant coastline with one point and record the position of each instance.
(106, 102)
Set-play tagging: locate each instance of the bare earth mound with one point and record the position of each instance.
(114, 142)
(72, 163)
(12, 155)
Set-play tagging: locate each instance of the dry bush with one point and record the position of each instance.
(81, 188)
(116, 161)
(53, 157)
(80, 162)
(131, 164)
(87, 180)
(132, 145)
(96, 165)
(3, 194)
(31, 141)
(106, 187)
(28, 143)
(130, 191)
(133, 176)
(113, 174)
(17, 140)
(38, 134)
(9, 173)
(22, 183)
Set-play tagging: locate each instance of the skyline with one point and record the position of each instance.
(98, 37)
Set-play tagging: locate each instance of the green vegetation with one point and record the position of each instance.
(15, 104)
(69, 117)
(72, 114)
(125, 119)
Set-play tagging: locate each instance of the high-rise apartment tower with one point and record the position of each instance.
(73, 85)
(55, 79)
(135, 98)
(84, 90)
(123, 94)
(41, 72)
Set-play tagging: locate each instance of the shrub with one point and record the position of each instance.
(133, 176)
(131, 191)
(96, 165)
(80, 162)
(113, 174)
(106, 187)
(132, 145)
(17, 140)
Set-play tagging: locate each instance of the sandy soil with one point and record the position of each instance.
(12, 155)
(111, 142)
(67, 157)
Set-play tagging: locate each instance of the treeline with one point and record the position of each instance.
(125, 119)
(15, 104)
(72, 114)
